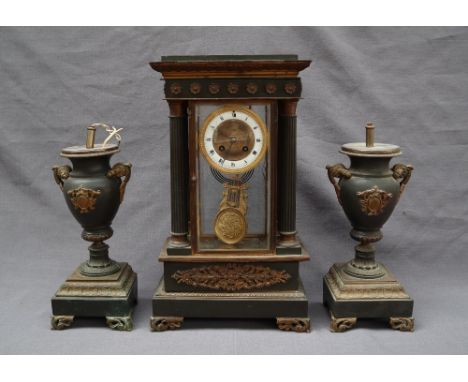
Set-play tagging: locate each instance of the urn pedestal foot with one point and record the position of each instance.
(342, 324)
(122, 323)
(403, 324)
(161, 324)
(61, 322)
(111, 296)
(349, 298)
(293, 324)
(289, 308)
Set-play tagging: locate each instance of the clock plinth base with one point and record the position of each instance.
(112, 296)
(350, 298)
(289, 308)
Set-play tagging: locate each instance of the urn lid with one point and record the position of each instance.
(96, 151)
(369, 148)
(90, 149)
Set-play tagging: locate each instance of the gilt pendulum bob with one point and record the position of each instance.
(93, 191)
(233, 250)
(368, 191)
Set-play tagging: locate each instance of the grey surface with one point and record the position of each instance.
(411, 82)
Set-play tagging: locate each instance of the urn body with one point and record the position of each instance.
(369, 195)
(92, 196)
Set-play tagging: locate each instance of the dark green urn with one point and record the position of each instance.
(368, 190)
(93, 191)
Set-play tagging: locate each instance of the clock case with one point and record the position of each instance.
(221, 283)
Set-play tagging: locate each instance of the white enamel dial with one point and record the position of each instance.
(233, 139)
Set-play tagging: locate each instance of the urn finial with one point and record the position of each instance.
(90, 136)
(369, 134)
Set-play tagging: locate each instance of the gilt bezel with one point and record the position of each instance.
(215, 114)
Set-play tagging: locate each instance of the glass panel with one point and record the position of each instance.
(220, 190)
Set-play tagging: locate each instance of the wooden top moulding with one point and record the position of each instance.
(229, 66)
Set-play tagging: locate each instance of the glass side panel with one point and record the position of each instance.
(248, 192)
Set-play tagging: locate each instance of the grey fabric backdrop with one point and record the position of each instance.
(411, 82)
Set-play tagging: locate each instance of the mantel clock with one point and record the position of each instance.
(233, 249)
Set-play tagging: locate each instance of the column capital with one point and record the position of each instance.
(288, 107)
(177, 108)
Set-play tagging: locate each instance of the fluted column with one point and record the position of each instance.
(179, 174)
(287, 172)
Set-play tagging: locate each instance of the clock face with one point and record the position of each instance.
(233, 139)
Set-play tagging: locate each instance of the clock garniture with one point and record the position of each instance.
(233, 250)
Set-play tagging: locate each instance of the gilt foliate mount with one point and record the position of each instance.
(232, 277)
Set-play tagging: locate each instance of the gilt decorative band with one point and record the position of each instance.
(233, 88)
(231, 277)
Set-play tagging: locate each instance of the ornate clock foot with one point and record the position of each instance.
(161, 324)
(341, 324)
(403, 324)
(61, 322)
(299, 325)
(123, 323)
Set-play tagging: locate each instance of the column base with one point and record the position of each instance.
(112, 296)
(349, 298)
